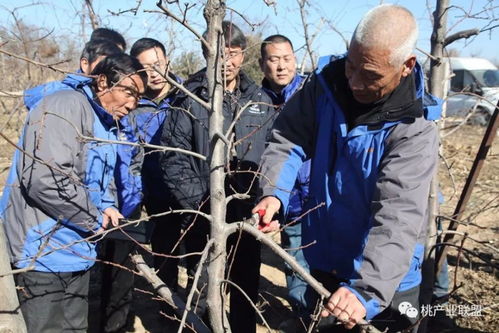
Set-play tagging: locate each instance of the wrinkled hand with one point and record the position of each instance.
(269, 205)
(345, 306)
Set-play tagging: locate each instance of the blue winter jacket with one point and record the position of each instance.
(71, 82)
(132, 163)
(60, 184)
(373, 180)
(138, 173)
(299, 193)
(129, 159)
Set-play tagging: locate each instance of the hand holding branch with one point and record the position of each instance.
(110, 214)
(345, 306)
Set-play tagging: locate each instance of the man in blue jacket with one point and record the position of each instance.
(149, 118)
(278, 64)
(61, 193)
(139, 182)
(361, 121)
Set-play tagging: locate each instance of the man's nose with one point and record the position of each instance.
(280, 64)
(355, 82)
(131, 105)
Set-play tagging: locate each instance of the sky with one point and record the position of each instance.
(63, 17)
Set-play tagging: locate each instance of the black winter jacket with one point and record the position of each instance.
(187, 177)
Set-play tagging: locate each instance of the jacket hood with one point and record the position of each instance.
(77, 80)
(74, 81)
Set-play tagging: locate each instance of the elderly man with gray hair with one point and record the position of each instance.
(361, 121)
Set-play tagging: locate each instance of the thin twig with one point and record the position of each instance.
(467, 236)
(127, 143)
(174, 300)
(183, 22)
(37, 63)
(203, 103)
(198, 273)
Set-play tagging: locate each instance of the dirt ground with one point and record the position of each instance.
(474, 272)
(476, 276)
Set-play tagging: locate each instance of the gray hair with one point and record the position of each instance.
(381, 26)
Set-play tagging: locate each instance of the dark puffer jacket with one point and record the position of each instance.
(187, 177)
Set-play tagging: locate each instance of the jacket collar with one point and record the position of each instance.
(198, 83)
(77, 80)
(103, 115)
(404, 102)
(162, 101)
(286, 92)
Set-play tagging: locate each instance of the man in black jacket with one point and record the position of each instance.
(187, 177)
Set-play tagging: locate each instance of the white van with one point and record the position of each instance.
(477, 76)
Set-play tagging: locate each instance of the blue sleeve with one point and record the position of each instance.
(299, 194)
(291, 143)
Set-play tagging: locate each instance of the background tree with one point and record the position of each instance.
(186, 64)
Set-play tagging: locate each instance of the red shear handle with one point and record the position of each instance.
(261, 214)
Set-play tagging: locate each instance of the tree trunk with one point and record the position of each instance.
(437, 68)
(438, 77)
(214, 13)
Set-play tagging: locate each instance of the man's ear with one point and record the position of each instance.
(101, 83)
(84, 65)
(409, 65)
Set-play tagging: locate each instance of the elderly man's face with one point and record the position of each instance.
(370, 74)
(122, 97)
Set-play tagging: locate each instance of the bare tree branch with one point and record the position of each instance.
(250, 301)
(170, 297)
(187, 92)
(127, 143)
(35, 62)
(308, 38)
(133, 10)
(460, 35)
(248, 226)
(94, 19)
(198, 273)
(182, 21)
(13, 94)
